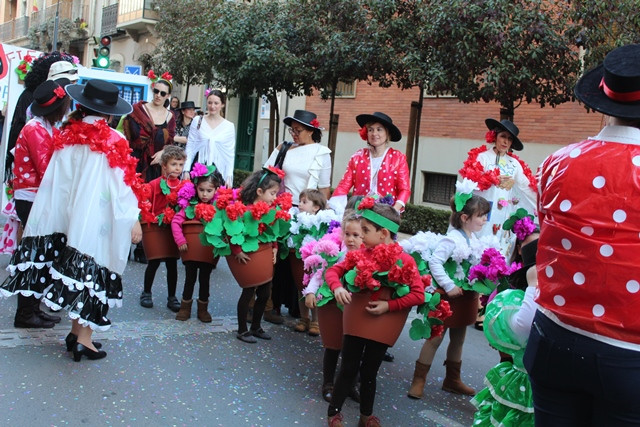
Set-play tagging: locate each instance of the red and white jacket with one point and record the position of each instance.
(33, 151)
(589, 247)
(393, 176)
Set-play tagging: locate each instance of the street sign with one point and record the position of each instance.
(133, 69)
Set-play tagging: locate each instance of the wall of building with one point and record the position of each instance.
(449, 129)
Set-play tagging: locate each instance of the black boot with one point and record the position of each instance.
(26, 316)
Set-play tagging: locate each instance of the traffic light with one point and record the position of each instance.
(102, 53)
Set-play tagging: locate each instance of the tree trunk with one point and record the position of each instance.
(414, 167)
(506, 112)
(333, 129)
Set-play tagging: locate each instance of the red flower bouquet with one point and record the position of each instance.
(473, 170)
(245, 226)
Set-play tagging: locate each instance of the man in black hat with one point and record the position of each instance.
(583, 354)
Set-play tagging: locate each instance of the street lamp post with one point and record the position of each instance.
(55, 27)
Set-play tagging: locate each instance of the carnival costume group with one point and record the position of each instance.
(90, 188)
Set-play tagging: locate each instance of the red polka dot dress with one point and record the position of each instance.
(589, 248)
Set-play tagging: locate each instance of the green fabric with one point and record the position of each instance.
(507, 398)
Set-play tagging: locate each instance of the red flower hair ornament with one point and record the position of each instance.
(59, 92)
(276, 170)
(315, 123)
(364, 133)
(490, 136)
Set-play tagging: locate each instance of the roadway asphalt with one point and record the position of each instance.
(163, 372)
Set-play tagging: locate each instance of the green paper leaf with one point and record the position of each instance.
(350, 276)
(190, 212)
(164, 187)
(250, 245)
(233, 228)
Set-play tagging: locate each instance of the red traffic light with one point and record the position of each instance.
(105, 41)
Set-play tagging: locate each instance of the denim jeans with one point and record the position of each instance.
(579, 381)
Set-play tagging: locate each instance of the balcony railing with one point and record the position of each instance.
(14, 29)
(67, 9)
(109, 20)
(136, 14)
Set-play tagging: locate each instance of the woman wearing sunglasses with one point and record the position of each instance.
(149, 128)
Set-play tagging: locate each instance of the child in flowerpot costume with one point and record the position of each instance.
(384, 284)
(164, 204)
(196, 201)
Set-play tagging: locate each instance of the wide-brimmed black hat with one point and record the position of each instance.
(47, 98)
(382, 118)
(187, 104)
(613, 87)
(506, 125)
(303, 117)
(100, 96)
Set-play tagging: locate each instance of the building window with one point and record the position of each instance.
(438, 187)
(346, 89)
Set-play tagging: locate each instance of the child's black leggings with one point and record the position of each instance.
(363, 355)
(191, 274)
(172, 274)
(262, 295)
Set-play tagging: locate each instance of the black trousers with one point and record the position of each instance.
(262, 295)
(365, 356)
(196, 270)
(172, 274)
(579, 381)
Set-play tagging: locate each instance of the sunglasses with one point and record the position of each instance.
(158, 91)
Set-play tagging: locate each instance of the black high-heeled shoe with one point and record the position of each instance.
(79, 350)
(72, 339)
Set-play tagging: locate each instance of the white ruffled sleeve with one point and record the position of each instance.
(320, 169)
(440, 255)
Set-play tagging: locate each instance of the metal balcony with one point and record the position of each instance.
(135, 16)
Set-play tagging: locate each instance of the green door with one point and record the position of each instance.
(246, 133)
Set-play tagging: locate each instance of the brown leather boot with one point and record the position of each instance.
(419, 378)
(185, 310)
(452, 382)
(203, 313)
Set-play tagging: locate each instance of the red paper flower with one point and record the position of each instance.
(473, 170)
(59, 92)
(205, 211)
(364, 133)
(277, 171)
(262, 227)
(284, 200)
(366, 203)
(351, 259)
(258, 209)
(234, 210)
(283, 215)
(168, 215)
(172, 198)
(386, 256)
(166, 76)
(224, 196)
(315, 123)
(152, 76)
(490, 136)
(533, 184)
(28, 58)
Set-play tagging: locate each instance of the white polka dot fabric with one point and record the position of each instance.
(589, 248)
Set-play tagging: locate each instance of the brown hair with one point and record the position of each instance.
(171, 152)
(476, 205)
(314, 196)
(388, 212)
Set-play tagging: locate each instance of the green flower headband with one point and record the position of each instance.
(364, 208)
(464, 191)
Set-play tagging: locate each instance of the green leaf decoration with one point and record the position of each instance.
(214, 228)
(160, 218)
(250, 225)
(402, 290)
(164, 187)
(190, 212)
(418, 330)
(250, 245)
(269, 217)
(350, 277)
(238, 239)
(233, 228)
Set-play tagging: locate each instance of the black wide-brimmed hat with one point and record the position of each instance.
(187, 104)
(47, 97)
(382, 118)
(100, 96)
(506, 125)
(613, 87)
(303, 117)
(377, 117)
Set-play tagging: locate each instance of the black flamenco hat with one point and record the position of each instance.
(188, 104)
(100, 96)
(47, 97)
(613, 87)
(377, 117)
(303, 117)
(506, 125)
